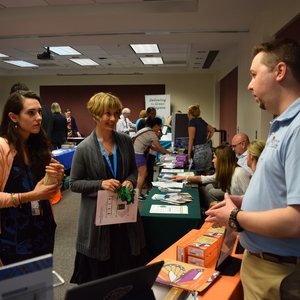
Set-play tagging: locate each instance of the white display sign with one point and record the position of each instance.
(161, 103)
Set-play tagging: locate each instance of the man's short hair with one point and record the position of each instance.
(125, 111)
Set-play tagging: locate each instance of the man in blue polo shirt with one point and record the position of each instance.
(269, 218)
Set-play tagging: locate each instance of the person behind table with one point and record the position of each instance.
(144, 139)
(151, 113)
(200, 134)
(239, 145)
(73, 130)
(268, 221)
(47, 122)
(59, 130)
(254, 150)
(104, 161)
(27, 223)
(169, 122)
(124, 124)
(142, 115)
(151, 161)
(228, 177)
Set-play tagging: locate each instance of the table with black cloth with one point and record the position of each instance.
(162, 230)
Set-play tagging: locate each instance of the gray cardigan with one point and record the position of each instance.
(87, 172)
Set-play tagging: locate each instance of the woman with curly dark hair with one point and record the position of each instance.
(27, 223)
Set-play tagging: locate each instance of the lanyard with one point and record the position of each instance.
(114, 171)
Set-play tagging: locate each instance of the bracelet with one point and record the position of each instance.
(19, 199)
(13, 199)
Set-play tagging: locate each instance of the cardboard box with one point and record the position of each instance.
(204, 262)
(202, 246)
(181, 249)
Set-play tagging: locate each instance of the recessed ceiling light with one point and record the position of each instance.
(145, 48)
(21, 63)
(152, 60)
(84, 61)
(64, 50)
(3, 55)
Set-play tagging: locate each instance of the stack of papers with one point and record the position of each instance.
(173, 198)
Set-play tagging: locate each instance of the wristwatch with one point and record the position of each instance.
(232, 222)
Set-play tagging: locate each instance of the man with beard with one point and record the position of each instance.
(269, 218)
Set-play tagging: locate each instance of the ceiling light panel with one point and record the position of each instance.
(145, 48)
(84, 61)
(152, 60)
(21, 63)
(64, 50)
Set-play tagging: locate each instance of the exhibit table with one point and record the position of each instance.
(225, 287)
(162, 230)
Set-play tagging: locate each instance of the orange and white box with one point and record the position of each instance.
(181, 251)
(203, 262)
(202, 246)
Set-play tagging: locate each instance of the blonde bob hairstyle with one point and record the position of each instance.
(194, 110)
(100, 102)
(255, 148)
(55, 107)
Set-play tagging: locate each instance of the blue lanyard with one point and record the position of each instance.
(114, 171)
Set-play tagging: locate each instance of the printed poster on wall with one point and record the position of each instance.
(161, 103)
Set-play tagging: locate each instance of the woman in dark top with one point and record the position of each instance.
(200, 133)
(151, 113)
(27, 225)
(60, 126)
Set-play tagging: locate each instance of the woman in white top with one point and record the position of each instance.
(143, 139)
(228, 177)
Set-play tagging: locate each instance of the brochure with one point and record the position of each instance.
(168, 209)
(112, 210)
(186, 276)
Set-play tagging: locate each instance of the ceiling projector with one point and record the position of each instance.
(46, 55)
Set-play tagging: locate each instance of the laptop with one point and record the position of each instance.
(134, 284)
(226, 264)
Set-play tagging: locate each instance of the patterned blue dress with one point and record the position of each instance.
(25, 235)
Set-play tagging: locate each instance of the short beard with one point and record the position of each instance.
(261, 105)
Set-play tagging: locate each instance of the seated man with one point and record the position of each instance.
(124, 124)
(239, 145)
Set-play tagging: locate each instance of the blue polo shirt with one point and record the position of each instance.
(276, 182)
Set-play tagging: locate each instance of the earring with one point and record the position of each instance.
(16, 125)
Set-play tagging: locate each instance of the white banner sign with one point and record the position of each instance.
(161, 103)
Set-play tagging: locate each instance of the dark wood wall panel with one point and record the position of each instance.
(228, 104)
(76, 98)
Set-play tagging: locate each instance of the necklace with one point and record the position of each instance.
(109, 151)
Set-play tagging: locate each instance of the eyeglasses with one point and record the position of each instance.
(233, 146)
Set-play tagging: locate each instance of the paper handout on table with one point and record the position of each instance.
(187, 276)
(112, 210)
(172, 184)
(175, 171)
(168, 209)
